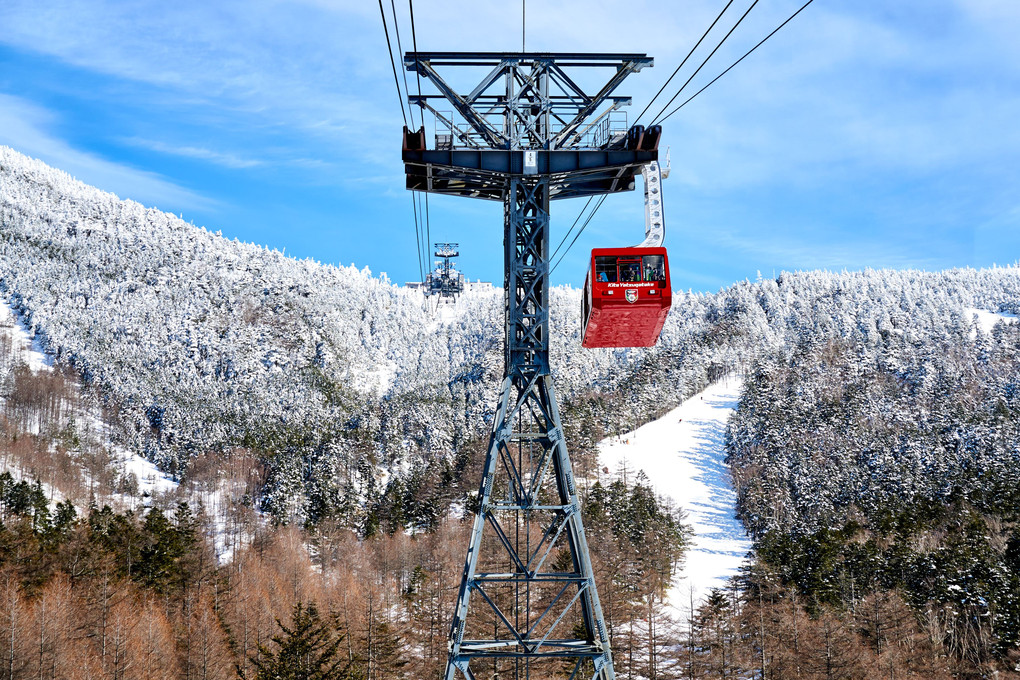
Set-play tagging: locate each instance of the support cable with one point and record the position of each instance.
(602, 199)
(673, 98)
(428, 229)
(389, 50)
(426, 247)
(400, 49)
(696, 45)
(414, 43)
(660, 120)
(421, 112)
(738, 60)
(417, 235)
(567, 235)
(400, 101)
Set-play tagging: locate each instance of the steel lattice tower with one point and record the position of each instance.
(527, 134)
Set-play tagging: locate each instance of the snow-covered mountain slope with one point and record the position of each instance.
(205, 342)
(683, 453)
(71, 455)
(78, 413)
(20, 345)
(335, 378)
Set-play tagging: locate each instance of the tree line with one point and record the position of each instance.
(140, 594)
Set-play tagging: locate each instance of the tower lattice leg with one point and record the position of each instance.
(527, 601)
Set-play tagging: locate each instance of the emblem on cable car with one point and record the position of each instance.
(631, 295)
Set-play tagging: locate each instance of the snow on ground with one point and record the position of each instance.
(151, 480)
(19, 475)
(986, 320)
(376, 380)
(682, 453)
(24, 346)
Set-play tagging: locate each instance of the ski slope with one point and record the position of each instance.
(682, 453)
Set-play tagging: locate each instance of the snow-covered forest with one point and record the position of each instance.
(868, 468)
(201, 344)
(875, 449)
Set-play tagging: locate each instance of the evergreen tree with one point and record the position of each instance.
(306, 650)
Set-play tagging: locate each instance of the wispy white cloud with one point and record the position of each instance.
(219, 158)
(843, 95)
(284, 63)
(823, 94)
(793, 252)
(25, 128)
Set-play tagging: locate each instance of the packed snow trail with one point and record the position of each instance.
(682, 453)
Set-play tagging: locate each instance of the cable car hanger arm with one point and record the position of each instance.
(655, 218)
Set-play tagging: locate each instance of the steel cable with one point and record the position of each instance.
(739, 60)
(417, 234)
(421, 112)
(698, 70)
(602, 199)
(567, 235)
(696, 45)
(389, 50)
(400, 49)
(414, 43)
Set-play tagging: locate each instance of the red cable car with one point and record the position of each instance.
(626, 297)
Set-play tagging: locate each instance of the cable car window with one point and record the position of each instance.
(630, 270)
(655, 269)
(605, 269)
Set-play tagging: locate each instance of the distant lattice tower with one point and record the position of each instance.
(445, 281)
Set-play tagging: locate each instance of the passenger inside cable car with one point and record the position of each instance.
(626, 297)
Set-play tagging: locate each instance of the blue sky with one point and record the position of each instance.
(864, 134)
